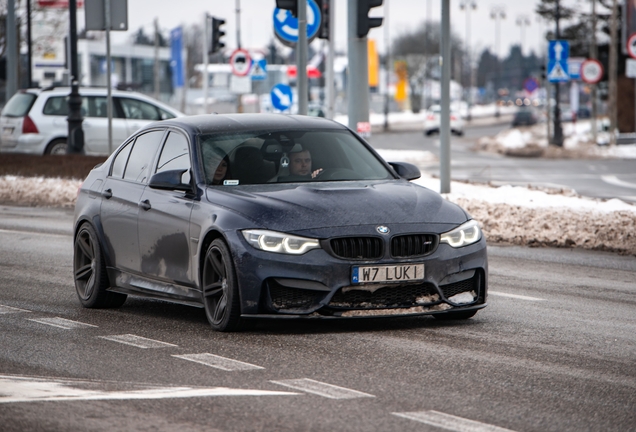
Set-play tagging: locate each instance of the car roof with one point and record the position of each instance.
(212, 123)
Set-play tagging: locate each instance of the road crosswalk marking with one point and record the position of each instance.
(218, 362)
(8, 309)
(449, 422)
(61, 323)
(137, 341)
(322, 389)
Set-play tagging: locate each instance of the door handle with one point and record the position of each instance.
(108, 193)
(145, 204)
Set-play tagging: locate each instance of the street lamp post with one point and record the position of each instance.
(497, 13)
(467, 5)
(523, 21)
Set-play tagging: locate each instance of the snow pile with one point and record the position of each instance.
(507, 214)
(578, 143)
(523, 216)
(38, 191)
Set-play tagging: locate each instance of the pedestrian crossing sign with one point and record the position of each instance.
(259, 70)
(558, 55)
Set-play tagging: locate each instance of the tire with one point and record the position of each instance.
(219, 289)
(451, 316)
(89, 272)
(56, 147)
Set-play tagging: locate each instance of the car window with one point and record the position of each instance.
(165, 115)
(119, 164)
(139, 110)
(19, 105)
(288, 156)
(92, 106)
(175, 155)
(142, 155)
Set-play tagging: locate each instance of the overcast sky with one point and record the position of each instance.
(256, 20)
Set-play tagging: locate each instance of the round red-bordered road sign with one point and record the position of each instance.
(631, 45)
(591, 71)
(240, 62)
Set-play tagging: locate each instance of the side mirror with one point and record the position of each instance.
(170, 180)
(406, 170)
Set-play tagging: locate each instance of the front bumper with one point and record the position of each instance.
(318, 285)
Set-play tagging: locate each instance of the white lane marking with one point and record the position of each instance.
(61, 323)
(8, 309)
(322, 389)
(515, 296)
(450, 422)
(31, 389)
(218, 362)
(137, 341)
(612, 179)
(34, 233)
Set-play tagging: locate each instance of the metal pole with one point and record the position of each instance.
(358, 74)
(239, 98)
(593, 55)
(301, 58)
(331, 90)
(445, 51)
(156, 64)
(388, 67)
(29, 50)
(558, 131)
(12, 51)
(109, 93)
(75, 141)
(206, 78)
(613, 59)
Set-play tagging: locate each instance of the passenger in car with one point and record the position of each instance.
(222, 171)
(217, 166)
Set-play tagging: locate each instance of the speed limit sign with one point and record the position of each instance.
(631, 46)
(591, 71)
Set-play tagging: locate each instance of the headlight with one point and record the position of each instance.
(463, 235)
(272, 241)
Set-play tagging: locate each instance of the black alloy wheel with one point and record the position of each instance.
(220, 291)
(89, 272)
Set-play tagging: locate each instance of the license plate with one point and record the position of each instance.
(388, 273)
(7, 131)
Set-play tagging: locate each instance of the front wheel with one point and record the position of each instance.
(220, 290)
(89, 272)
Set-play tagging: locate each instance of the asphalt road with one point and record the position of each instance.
(599, 178)
(554, 351)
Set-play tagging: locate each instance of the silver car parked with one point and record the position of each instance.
(34, 120)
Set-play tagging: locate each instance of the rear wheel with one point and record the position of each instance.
(220, 290)
(56, 147)
(449, 316)
(89, 271)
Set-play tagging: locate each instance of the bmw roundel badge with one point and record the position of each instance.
(383, 229)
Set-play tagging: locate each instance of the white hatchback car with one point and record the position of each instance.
(432, 121)
(34, 120)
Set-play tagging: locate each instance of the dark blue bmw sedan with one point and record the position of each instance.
(268, 215)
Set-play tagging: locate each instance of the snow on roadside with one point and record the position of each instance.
(507, 214)
(38, 191)
(523, 216)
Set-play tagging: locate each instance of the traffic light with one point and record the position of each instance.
(325, 7)
(291, 5)
(217, 34)
(364, 22)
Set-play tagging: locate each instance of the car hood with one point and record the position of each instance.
(296, 207)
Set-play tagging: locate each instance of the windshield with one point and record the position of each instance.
(19, 105)
(287, 156)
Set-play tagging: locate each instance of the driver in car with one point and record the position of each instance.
(300, 165)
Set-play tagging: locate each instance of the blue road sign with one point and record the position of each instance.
(286, 25)
(259, 70)
(558, 54)
(281, 96)
(530, 85)
(176, 60)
